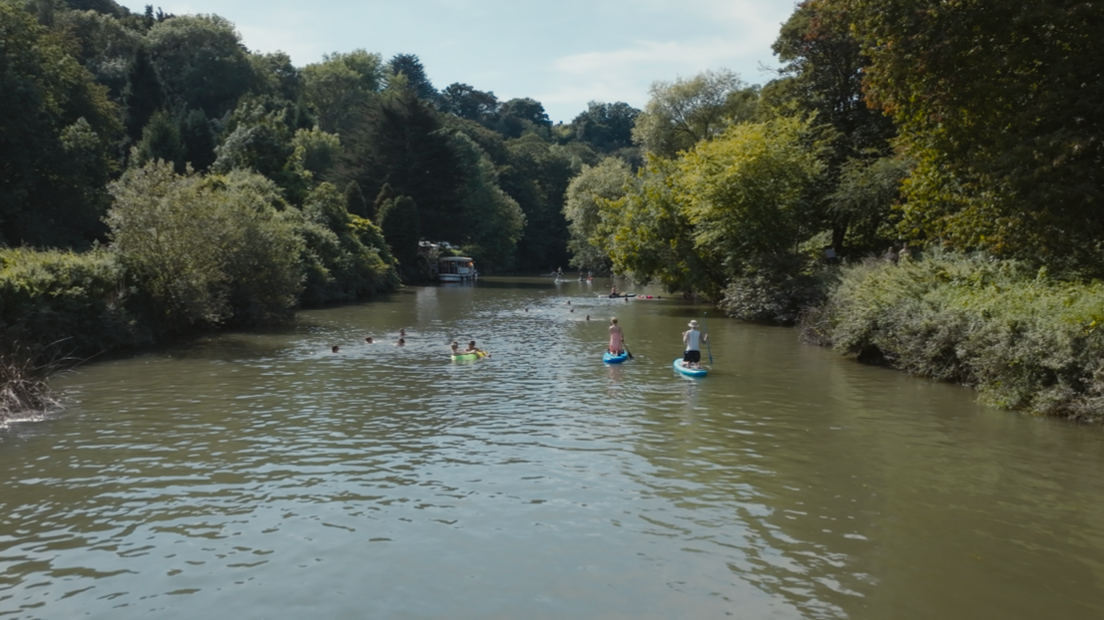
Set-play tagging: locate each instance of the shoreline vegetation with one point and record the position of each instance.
(159, 179)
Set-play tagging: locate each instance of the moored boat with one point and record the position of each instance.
(456, 269)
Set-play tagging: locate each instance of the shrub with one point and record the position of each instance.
(1025, 340)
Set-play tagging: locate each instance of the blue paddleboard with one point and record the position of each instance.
(615, 359)
(690, 372)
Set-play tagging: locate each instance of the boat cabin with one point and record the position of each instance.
(456, 269)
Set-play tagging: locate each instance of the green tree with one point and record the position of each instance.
(684, 112)
(355, 203)
(606, 126)
(339, 86)
(161, 141)
(205, 251)
(198, 140)
(822, 71)
(519, 116)
(536, 176)
(998, 102)
(467, 102)
(201, 63)
(746, 192)
(594, 186)
(491, 221)
(411, 67)
(44, 94)
(399, 220)
(142, 95)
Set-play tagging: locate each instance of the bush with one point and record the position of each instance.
(206, 251)
(1024, 340)
(777, 290)
(76, 300)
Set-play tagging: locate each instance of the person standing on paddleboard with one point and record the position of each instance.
(693, 338)
(617, 338)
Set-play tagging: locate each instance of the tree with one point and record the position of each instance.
(998, 102)
(340, 86)
(44, 94)
(745, 194)
(491, 221)
(593, 187)
(142, 95)
(205, 251)
(684, 112)
(518, 116)
(399, 221)
(400, 141)
(161, 141)
(411, 67)
(201, 63)
(198, 140)
(355, 202)
(536, 176)
(468, 103)
(606, 126)
(822, 76)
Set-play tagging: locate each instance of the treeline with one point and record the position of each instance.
(894, 129)
(156, 158)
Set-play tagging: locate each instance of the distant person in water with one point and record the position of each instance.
(368, 340)
(588, 317)
(474, 349)
(617, 338)
(401, 342)
(402, 332)
(455, 348)
(613, 291)
(693, 338)
(335, 348)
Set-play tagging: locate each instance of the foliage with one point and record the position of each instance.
(998, 101)
(260, 140)
(398, 219)
(200, 63)
(684, 112)
(319, 152)
(104, 46)
(160, 141)
(593, 187)
(44, 94)
(78, 301)
(205, 251)
(865, 198)
(467, 102)
(341, 257)
(339, 85)
(491, 221)
(410, 67)
(777, 291)
(606, 126)
(744, 193)
(1025, 340)
(536, 175)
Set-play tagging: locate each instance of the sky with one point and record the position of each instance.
(563, 54)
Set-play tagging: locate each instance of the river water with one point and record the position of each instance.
(260, 475)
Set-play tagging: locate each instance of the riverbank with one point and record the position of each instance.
(1024, 340)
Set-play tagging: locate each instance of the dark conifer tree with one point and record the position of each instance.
(198, 140)
(142, 95)
(354, 200)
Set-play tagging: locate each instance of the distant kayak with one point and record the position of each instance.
(468, 356)
(618, 296)
(609, 358)
(690, 372)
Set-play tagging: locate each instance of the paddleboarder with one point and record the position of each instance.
(693, 338)
(617, 338)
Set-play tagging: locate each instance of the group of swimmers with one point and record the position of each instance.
(401, 342)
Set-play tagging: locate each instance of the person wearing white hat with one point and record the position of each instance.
(693, 338)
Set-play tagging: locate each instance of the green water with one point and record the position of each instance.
(260, 475)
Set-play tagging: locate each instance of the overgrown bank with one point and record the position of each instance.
(1024, 340)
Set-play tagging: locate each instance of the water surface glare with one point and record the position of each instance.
(260, 475)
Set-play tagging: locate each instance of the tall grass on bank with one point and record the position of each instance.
(1024, 340)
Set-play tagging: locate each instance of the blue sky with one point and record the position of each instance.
(563, 54)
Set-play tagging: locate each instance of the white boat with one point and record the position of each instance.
(456, 269)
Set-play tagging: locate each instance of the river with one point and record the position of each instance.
(260, 475)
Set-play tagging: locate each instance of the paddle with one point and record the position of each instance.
(627, 351)
(708, 348)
